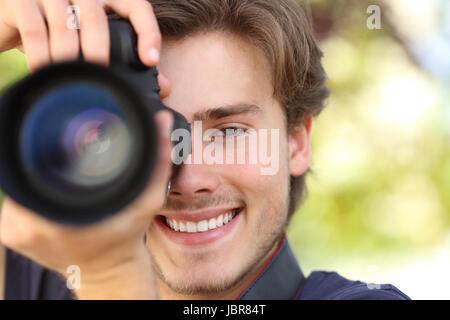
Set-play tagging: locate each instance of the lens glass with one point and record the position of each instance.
(76, 138)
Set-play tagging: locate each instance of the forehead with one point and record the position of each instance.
(215, 69)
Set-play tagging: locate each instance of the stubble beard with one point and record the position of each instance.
(190, 285)
(215, 285)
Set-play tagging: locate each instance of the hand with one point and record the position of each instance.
(39, 28)
(109, 248)
(110, 254)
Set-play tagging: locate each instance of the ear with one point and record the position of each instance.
(300, 147)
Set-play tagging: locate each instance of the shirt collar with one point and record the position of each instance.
(280, 279)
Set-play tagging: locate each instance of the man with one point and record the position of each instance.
(245, 66)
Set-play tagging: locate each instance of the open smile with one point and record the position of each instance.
(199, 228)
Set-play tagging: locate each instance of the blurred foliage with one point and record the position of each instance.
(12, 68)
(381, 156)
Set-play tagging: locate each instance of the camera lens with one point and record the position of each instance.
(78, 141)
(75, 138)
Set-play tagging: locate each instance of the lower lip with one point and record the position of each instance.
(198, 238)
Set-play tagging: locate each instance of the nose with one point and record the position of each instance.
(192, 181)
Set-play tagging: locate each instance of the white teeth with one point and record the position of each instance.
(191, 227)
(219, 221)
(201, 226)
(212, 223)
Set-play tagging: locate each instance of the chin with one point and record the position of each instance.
(204, 281)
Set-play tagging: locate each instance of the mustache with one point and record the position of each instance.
(203, 202)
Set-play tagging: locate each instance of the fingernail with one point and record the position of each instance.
(153, 54)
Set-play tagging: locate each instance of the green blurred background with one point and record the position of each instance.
(378, 208)
(379, 199)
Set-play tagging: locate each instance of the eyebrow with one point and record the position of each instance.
(226, 111)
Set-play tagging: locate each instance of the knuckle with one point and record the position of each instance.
(59, 26)
(90, 11)
(34, 34)
(146, 5)
(93, 10)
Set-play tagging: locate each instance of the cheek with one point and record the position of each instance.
(264, 194)
(264, 176)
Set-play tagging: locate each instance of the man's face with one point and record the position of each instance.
(224, 73)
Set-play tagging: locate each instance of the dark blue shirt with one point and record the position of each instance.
(280, 278)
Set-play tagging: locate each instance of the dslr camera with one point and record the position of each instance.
(78, 141)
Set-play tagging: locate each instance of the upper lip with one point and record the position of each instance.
(196, 216)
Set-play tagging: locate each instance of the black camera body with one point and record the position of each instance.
(78, 141)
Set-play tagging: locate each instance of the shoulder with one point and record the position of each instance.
(322, 285)
(25, 279)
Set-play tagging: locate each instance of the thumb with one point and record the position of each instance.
(155, 191)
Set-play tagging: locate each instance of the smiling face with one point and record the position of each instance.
(225, 82)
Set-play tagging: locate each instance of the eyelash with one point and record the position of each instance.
(239, 130)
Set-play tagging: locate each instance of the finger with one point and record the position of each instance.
(141, 15)
(9, 38)
(64, 43)
(94, 31)
(156, 189)
(164, 122)
(33, 33)
(1, 209)
(164, 85)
